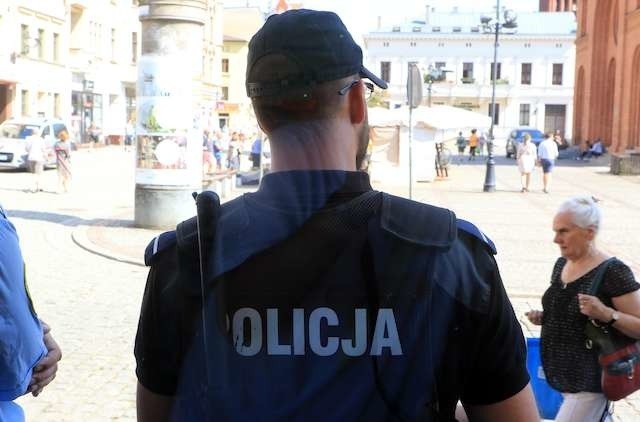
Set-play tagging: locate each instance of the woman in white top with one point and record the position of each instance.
(527, 155)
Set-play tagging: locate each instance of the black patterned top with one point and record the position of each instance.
(568, 365)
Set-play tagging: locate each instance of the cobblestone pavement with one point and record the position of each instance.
(92, 300)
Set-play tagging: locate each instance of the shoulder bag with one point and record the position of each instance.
(619, 356)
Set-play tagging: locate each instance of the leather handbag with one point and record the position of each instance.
(619, 356)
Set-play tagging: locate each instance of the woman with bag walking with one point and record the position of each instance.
(63, 160)
(526, 156)
(570, 365)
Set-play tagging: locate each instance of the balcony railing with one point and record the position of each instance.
(468, 80)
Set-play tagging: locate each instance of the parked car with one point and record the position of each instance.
(516, 136)
(13, 140)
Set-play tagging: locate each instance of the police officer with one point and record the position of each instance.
(28, 353)
(317, 298)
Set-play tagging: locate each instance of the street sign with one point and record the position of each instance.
(414, 86)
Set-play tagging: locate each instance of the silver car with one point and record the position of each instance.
(13, 140)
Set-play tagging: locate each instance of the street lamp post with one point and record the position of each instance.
(510, 23)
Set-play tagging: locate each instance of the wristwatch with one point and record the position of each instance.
(615, 316)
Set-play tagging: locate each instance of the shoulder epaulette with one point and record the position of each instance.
(417, 222)
(477, 233)
(158, 244)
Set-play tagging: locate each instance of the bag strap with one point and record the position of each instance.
(597, 280)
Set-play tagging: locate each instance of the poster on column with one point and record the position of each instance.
(169, 150)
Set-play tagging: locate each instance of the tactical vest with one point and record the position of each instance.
(357, 335)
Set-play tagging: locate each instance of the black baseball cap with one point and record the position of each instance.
(316, 41)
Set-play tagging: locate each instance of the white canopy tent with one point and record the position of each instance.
(430, 126)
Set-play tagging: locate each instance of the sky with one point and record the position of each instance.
(361, 16)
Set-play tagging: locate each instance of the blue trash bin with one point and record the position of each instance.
(547, 399)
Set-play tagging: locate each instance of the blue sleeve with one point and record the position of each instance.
(21, 343)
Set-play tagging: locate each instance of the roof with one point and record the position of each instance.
(452, 23)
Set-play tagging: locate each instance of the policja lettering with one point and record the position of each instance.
(385, 334)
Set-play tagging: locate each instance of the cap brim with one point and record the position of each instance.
(365, 73)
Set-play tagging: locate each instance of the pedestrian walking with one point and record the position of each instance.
(36, 157)
(321, 299)
(569, 366)
(461, 143)
(473, 144)
(526, 156)
(547, 154)
(256, 152)
(63, 161)
(28, 353)
(482, 141)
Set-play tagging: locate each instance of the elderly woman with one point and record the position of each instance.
(527, 155)
(569, 366)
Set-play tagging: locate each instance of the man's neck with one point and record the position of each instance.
(313, 147)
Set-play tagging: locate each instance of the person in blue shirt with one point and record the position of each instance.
(318, 298)
(28, 353)
(256, 151)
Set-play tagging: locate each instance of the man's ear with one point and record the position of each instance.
(357, 104)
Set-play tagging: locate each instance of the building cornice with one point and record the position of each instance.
(405, 36)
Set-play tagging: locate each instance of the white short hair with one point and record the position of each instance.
(584, 210)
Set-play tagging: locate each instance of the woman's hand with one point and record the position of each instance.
(535, 316)
(592, 307)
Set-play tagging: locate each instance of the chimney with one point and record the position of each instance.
(427, 14)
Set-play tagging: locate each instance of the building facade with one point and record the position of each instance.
(234, 108)
(103, 53)
(34, 81)
(535, 66)
(607, 99)
(77, 60)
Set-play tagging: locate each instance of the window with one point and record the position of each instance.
(134, 47)
(457, 29)
(24, 99)
(417, 29)
(525, 74)
(40, 42)
(56, 106)
(525, 114)
(113, 44)
(225, 93)
(56, 47)
(557, 74)
(435, 29)
(496, 118)
(225, 65)
(467, 72)
(498, 68)
(385, 71)
(24, 39)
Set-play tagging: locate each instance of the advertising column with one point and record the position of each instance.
(169, 143)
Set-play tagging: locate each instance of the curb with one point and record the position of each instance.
(79, 237)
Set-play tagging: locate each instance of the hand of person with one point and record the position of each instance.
(46, 369)
(592, 307)
(535, 316)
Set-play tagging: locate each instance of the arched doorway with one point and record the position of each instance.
(634, 111)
